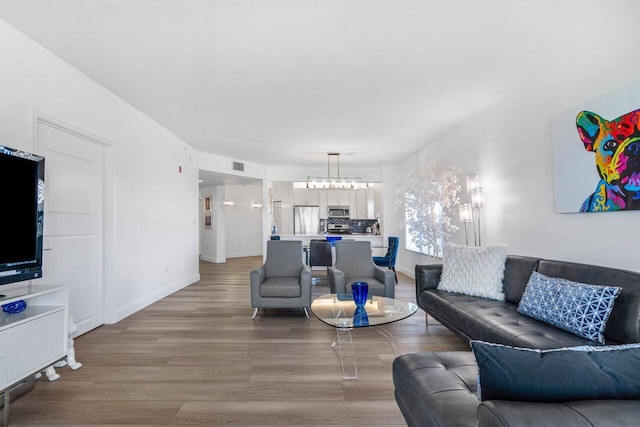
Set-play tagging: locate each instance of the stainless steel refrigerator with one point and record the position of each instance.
(306, 219)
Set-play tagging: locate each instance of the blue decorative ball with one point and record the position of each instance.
(14, 307)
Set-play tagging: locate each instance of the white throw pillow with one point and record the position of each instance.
(475, 271)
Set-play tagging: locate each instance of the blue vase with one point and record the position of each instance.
(14, 307)
(360, 317)
(360, 291)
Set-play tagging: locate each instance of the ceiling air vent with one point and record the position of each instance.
(237, 166)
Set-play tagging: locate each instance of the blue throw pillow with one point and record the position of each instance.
(561, 375)
(574, 307)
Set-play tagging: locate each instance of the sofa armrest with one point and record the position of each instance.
(427, 277)
(305, 284)
(305, 275)
(337, 283)
(386, 276)
(256, 277)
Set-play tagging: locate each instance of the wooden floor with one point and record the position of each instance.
(196, 357)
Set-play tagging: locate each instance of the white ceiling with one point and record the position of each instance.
(283, 82)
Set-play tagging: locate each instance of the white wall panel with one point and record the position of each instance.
(155, 243)
(509, 145)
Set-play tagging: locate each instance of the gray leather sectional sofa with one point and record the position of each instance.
(440, 389)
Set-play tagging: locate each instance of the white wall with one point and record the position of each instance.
(244, 227)
(156, 209)
(509, 145)
(221, 164)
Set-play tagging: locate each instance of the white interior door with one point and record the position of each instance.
(74, 220)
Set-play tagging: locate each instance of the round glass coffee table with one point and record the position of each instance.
(340, 312)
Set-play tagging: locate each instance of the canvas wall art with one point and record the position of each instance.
(596, 154)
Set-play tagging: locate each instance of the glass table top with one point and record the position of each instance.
(339, 311)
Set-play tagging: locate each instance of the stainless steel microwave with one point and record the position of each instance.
(338, 212)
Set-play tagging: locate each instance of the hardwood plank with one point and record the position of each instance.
(378, 413)
(197, 357)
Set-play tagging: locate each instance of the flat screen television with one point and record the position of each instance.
(21, 215)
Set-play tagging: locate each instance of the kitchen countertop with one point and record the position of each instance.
(378, 246)
(322, 236)
(376, 240)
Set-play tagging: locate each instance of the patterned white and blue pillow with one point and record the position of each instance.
(578, 308)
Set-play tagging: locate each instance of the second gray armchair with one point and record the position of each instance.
(354, 264)
(283, 281)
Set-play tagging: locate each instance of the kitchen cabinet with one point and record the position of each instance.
(338, 198)
(305, 196)
(34, 339)
(322, 202)
(359, 204)
(283, 207)
(353, 208)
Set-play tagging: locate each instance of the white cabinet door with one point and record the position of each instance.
(370, 203)
(35, 342)
(304, 196)
(360, 197)
(345, 197)
(299, 196)
(283, 206)
(338, 198)
(322, 202)
(332, 198)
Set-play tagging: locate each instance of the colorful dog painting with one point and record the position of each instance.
(616, 145)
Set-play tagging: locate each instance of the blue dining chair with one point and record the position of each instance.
(389, 260)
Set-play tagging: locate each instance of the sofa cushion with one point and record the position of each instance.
(437, 389)
(375, 287)
(475, 271)
(280, 287)
(587, 413)
(579, 308)
(559, 375)
(517, 270)
(494, 321)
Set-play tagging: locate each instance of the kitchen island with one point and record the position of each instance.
(378, 243)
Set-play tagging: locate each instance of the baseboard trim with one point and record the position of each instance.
(246, 254)
(408, 272)
(213, 260)
(129, 310)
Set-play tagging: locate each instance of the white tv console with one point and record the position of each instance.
(34, 339)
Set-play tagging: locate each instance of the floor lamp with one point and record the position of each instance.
(466, 216)
(477, 201)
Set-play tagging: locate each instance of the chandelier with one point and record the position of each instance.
(330, 182)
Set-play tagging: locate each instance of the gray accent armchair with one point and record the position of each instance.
(355, 264)
(283, 281)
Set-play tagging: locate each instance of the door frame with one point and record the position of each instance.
(109, 203)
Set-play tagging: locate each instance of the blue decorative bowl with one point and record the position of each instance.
(14, 307)
(333, 239)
